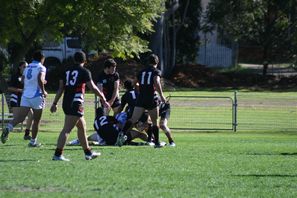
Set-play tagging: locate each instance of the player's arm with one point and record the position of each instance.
(91, 85)
(115, 92)
(41, 82)
(58, 96)
(157, 83)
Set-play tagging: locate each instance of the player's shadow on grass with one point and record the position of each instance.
(265, 175)
(285, 154)
(18, 160)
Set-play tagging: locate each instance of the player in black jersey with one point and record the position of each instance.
(149, 82)
(109, 83)
(129, 98)
(72, 83)
(15, 87)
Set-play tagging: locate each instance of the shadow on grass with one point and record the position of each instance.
(265, 175)
(18, 160)
(285, 154)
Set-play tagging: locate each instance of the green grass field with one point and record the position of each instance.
(249, 163)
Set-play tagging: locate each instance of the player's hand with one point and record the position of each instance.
(53, 108)
(44, 94)
(106, 104)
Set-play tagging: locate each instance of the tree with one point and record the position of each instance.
(110, 25)
(176, 37)
(270, 24)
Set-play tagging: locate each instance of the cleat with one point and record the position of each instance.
(158, 145)
(172, 144)
(27, 137)
(34, 144)
(163, 144)
(4, 135)
(121, 139)
(150, 143)
(60, 158)
(73, 143)
(92, 156)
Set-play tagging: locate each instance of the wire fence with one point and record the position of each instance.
(204, 111)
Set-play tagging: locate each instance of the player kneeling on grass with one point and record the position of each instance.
(108, 131)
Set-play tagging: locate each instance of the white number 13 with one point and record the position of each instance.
(71, 79)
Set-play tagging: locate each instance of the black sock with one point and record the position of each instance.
(127, 126)
(58, 152)
(88, 151)
(149, 133)
(27, 132)
(155, 130)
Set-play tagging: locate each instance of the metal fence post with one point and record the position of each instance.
(234, 109)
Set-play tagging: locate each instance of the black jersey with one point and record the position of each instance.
(16, 82)
(107, 81)
(146, 87)
(74, 78)
(106, 128)
(129, 98)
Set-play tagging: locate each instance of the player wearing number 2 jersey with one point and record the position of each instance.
(149, 82)
(72, 83)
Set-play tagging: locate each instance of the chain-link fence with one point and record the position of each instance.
(206, 111)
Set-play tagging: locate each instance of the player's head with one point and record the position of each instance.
(38, 56)
(110, 66)
(153, 59)
(99, 112)
(121, 118)
(128, 84)
(79, 57)
(22, 66)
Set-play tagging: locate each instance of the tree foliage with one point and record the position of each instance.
(271, 24)
(110, 25)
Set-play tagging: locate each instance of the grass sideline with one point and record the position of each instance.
(216, 164)
(249, 163)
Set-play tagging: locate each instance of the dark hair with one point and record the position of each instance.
(22, 63)
(128, 84)
(80, 57)
(38, 55)
(153, 59)
(99, 112)
(110, 63)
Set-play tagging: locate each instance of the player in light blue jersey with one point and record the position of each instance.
(33, 97)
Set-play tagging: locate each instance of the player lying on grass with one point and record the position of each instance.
(108, 131)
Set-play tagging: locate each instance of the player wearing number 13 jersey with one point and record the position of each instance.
(75, 78)
(73, 83)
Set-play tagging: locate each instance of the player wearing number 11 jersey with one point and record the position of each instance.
(149, 82)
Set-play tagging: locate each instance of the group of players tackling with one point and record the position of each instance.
(135, 115)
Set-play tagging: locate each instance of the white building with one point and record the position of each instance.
(212, 52)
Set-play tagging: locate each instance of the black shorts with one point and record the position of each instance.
(146, 103)
(109, 134)
(74, 108)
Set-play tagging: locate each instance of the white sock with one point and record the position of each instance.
(33, 141)
(9, 127)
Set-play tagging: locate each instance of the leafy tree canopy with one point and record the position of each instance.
(110, 25)
(271, 24)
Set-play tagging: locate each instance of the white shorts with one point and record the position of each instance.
(34, 103)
